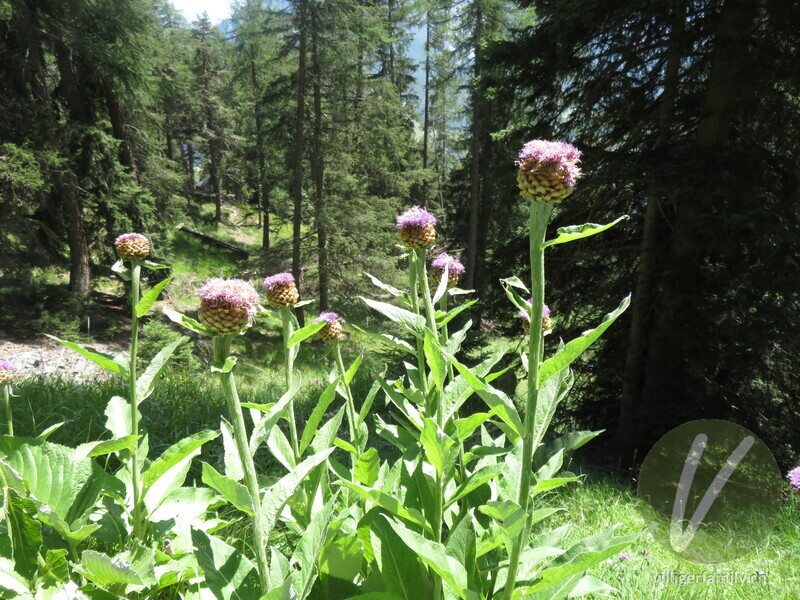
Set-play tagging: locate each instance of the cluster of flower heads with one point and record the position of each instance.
(132, 246)
(333, 329)
(794, 480)
(451, 264)
(6, 371)
(547, 170)
(547, 323)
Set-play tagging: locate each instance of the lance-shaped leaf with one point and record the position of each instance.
(577, 232)
(435, 359)
(513, 295)
(169, 470)
(305, 333)
(310, 430)
(304, 559)
(367, 467)
(232, 491)
(272, 414)
(393, 341)
(414, 323)
(279, 493)
(228, 573)
(147, 380)
(443, 319)
(105, 571)
(576, 347)
(104, 360)
(435, 556)
(474, 481)
(25, 532)
(186, 322)
(118, 412)
(386, 287)
(400, 568)
(120, 269)
(438, 446)
(95, 449)
(143, 306)
(388, 503)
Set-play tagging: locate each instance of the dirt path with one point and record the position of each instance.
(46, 357)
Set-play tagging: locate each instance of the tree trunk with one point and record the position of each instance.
(80, 277)
(190, 184)
(317, 164)
(642, 301)
(299, 142)
(427, 119)
(120, 130)
(475, 164)
(262, 184)
(678, 336)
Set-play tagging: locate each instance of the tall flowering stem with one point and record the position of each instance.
(134, 247)
(6, 376)
(282, 294)
(547, 175)
(222, 351)
(226, 307)
(136, 480)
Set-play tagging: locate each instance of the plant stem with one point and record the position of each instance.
(355, 437)
(539, 217)
(222, 350)
(288, 361)
(7, 410)
(412, 284)
(136, 483)
(435, 404)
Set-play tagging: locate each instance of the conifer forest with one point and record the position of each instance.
(399, 300)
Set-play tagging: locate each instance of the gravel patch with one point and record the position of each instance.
(45, 357)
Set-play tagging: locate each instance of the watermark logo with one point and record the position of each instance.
(711, 491)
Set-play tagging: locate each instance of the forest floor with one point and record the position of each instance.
(45, 357)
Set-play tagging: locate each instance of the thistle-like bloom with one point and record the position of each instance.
(417, 227)
(333, 329)
(6, 371)
(623, 556)
(794, 480)
(132, 246)
(548, 170)
(227, 305)
(281, 290)
(454, 269)
(547, 323)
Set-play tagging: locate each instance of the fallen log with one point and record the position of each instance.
(213, 241)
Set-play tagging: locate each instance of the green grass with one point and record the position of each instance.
(652, 572)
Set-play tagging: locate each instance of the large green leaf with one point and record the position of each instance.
(279, 493)
(310, 430)
(101, 448)
(186, 322)
(401, 570)
(367, 466)
(434, 358)
(232, 491)
(474, 481)
(10, 579)
(577, 232)
(104, 360)
(576, 347)
(304, 559)
(582, 555)
(389, 503)
(272, 414)
(439, 449)
(435, 556)
(414, 323)
(143, 306)
(386, 338)
(147, 380)
(186, 507)
(387, 288)
(306, 332)
(105, 571)
(169, 470)
(228, 573)
(118, 413)
(25, 532)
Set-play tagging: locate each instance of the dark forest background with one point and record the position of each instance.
(318, 117)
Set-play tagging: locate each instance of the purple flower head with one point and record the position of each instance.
(524, 314)
(416, 216)
(453, 264)
(328, 317)
(557, 158)
(131, 237)
(6, 366)
(238, 293)
(794, 479)
(279, 279)
(623, 556)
